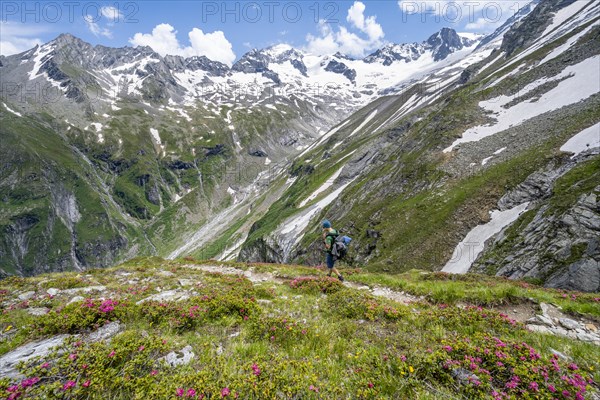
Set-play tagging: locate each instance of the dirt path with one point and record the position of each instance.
(557, 323)
(258, 277)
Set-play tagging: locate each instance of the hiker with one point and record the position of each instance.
(329, 235)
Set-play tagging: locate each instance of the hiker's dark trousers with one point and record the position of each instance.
(330, 260)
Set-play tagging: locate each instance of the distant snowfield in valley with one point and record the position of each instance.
(582, 81)
(328, 183)
(473, 244)
(297, 225)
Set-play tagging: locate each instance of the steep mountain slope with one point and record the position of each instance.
(410, 175)
(109, 153)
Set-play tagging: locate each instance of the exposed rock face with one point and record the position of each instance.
(445, 42)
(106, 332)
(178, 63)
(42, 348)
(536, 187)
(256, 62)
(513, 20)
(257, 153)
(562, 248)
(341, 68)
(441, 44)
(263, 250)
(532, 26)
(182, 357)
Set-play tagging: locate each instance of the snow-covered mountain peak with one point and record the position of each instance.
(440, 45)
(72, 65)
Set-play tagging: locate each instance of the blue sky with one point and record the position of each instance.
(225, 30)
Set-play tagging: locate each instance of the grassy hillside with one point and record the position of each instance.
(266, 331)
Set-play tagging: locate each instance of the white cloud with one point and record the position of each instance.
(480, 25)
(369, 25)
(17, 37)
(95, 28)
(15, 45)
(163, 40)
(481, 16)
(325, 43)
(111, 13)
(329, 41)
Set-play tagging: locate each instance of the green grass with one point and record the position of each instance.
(439, 287)
(50, 170)
(582, 179)
(283, 340)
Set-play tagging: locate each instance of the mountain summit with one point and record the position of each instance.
(439, 46)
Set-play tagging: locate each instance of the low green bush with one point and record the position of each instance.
(316, 284)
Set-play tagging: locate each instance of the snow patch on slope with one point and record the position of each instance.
(365, 122)
(585, 14)
(587, 139)
(155, 136)
(563, 15)
(472, 245)
(328, 183)
(582, 82)
(18, 114)
(561, 49)
(40, 54)
(299, 224)
(324, 138)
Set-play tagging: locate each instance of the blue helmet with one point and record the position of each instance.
(326, 224)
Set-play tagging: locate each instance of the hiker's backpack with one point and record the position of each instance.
(340, 245)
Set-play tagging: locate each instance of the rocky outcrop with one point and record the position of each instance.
(445, 42)
(41, 348)
(440, 44)
(553, 321)
(531, 27)
(256, 62)
(261, 250)
(557, 246)
(341, 68)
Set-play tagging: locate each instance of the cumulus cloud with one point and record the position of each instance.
(17, 38)
(481, 16)
(369, 25)
(163, 40)
(330, 41)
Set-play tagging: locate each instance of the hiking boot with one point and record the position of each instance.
(341, 278)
